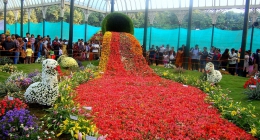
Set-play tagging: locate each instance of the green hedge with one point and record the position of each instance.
(117, 22)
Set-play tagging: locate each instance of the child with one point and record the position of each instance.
(52, 56)
(29, 54)
(165, 59)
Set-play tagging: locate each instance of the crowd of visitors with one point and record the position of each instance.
(229, 60)
(28, 49)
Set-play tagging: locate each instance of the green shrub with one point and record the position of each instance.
(3, 90)
(117, 22)
(253, 93)
(9, 68)
(5, 60)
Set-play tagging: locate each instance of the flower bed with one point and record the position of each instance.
(131, 102)
(7, 104)
(251, 81)
(64, 118)
(243, 117)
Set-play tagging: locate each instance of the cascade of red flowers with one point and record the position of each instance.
(131, 102)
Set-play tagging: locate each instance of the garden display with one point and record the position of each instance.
(46, 91)
(122, 98)
(130, 101)
(213, 76)
(67, 62)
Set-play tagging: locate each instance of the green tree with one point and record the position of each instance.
(95, 19)
(165, 20)
(199, 20)
(78, 15)
(138, 19)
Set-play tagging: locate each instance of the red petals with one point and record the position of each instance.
(131, 102)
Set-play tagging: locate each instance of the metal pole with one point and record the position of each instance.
(244, 37)
(43, 28)
(145, 27)
(86, 28)
(187, 49)
(15, 27)
(28, 25)
(179, 35)
(5, 3)
(61, 28)
(150, 41)
(21, 24)
(112, 6)
(71, 26)
(212, 35)
(252, 37)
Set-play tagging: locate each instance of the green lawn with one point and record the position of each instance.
(233, 83)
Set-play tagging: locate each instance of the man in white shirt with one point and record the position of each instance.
(195, 57)
(95, 49)
(232, 62)
(161, 51)
(27, 36)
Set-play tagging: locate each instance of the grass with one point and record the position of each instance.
(27, 68)
(233, 83)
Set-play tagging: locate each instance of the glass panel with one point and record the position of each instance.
(209, 3)
(128, 5)
(170, 3)
(195, 3)
(231, 2)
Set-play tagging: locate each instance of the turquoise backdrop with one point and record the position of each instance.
(222, 38)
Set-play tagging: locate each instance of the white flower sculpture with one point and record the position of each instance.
(45, 92)
(40, 59)
(213, 76)
(67, 62)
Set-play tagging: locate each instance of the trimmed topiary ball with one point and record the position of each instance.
(117, 22)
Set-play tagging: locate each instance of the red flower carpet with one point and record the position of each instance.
(130, 102)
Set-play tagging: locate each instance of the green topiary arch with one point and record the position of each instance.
(117, 22)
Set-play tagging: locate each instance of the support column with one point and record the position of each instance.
(212, 35)
(254, 17)
(244, 37)
(179, 36)
(151, 17)
(86, 14)
(145, 27)
(214, 16)
(61, 23)
(44, 10)
(16, 19)
(61, 18)
(43, 27)
(5, 11)
(252, 37)
(29, 18)
(61, 27)
(71, 26)
(180, 15)
(21, 24)
(187, 49)
(112, 6)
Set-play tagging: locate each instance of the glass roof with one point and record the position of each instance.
(134, 5)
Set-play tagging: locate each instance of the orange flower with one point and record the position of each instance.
(105, 51)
